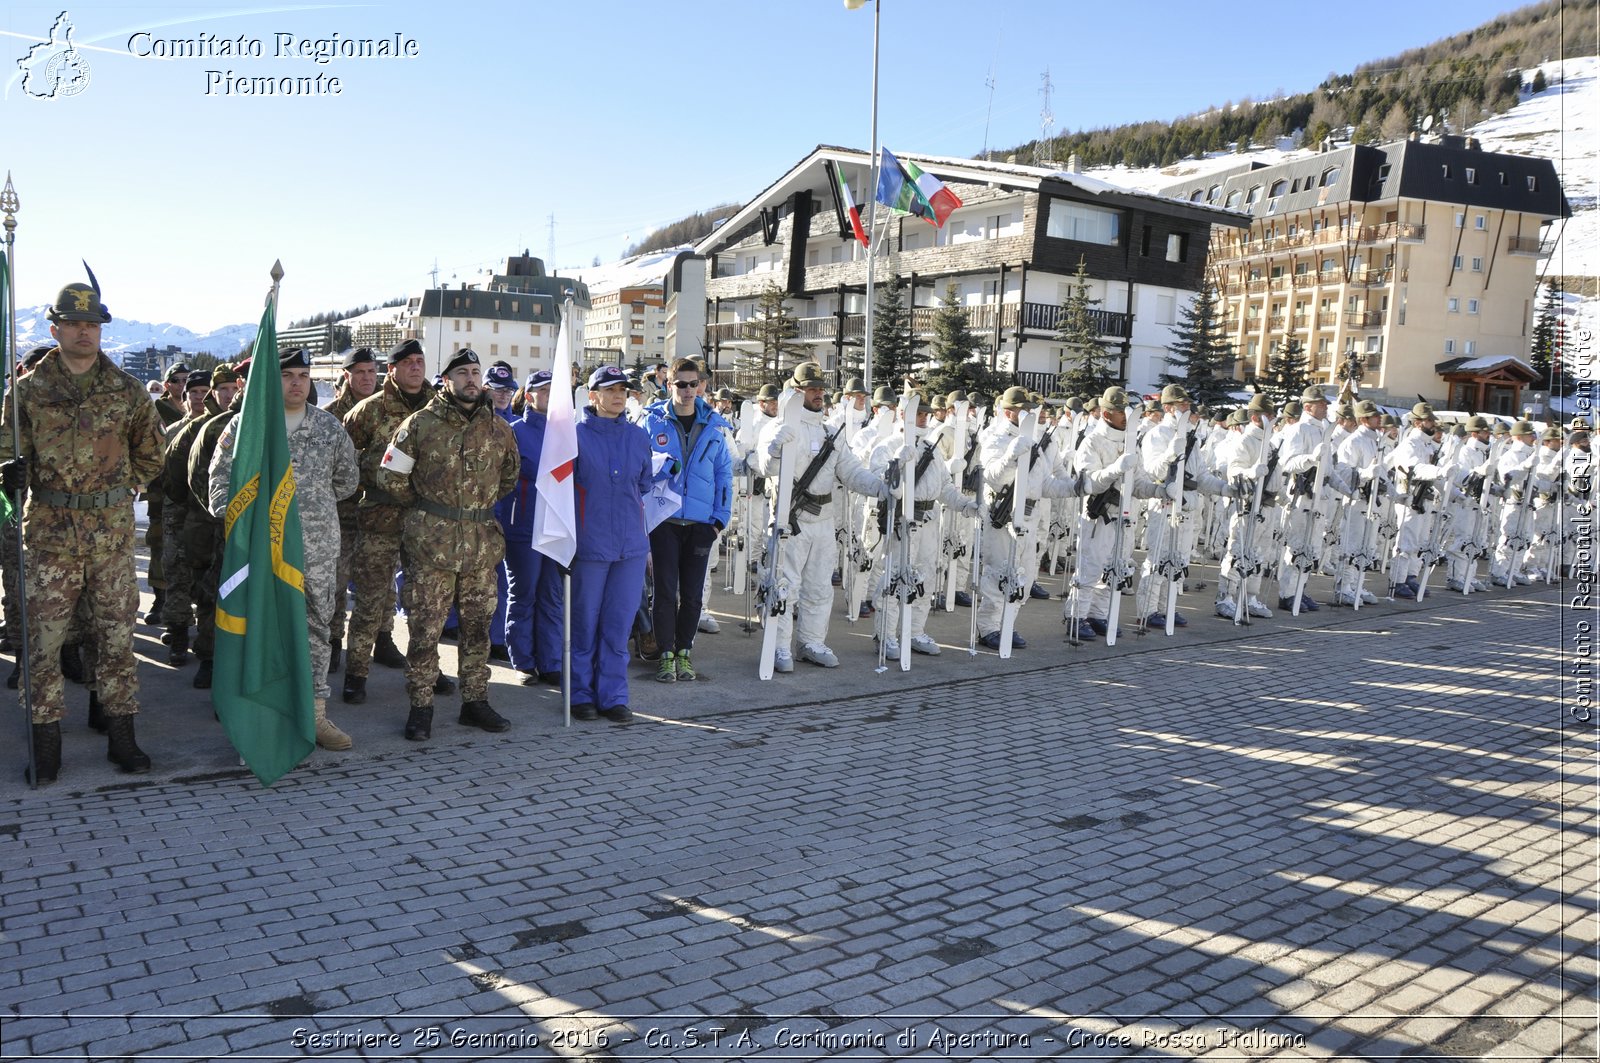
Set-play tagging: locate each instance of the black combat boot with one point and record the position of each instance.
(386, 653)
(419, 725)
(71, 662)
(177, 641)
(15, 678)
(355, 689)
(444, 684)
(122, 750)
(335, 654)
(98, 720)
(202, 678)
(154, 615)
(46, 754)
(478, 714)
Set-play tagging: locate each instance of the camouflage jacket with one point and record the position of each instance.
(371, 425)
(103, 438)
(175, 460)
(200, 454)
(324, 472)
(343, 403)
(463, 462)
(169, 412)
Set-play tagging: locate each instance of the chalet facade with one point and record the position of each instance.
(1010, 250)
(1419, 258)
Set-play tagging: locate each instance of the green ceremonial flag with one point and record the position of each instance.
(262, 686)
(7, 511)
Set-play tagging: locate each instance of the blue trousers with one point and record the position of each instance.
(605, 600)
(497, 623)
(533, 609)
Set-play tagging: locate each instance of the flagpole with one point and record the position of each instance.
(566, 570)
(872, 197)
(10, 205)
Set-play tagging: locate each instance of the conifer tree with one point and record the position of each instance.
(1201, 357)
(894, 347)
(1087, 368)
(1544, 349)
(959, 355)
(777, 330)
(1288, 371)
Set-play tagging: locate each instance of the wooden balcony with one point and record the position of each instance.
(1035, 318)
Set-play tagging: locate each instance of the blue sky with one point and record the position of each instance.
(614, 116)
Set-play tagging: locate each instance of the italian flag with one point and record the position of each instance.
(940, 198)
(906, 188)
(850, 207)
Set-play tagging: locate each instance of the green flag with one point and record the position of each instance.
(262, 688)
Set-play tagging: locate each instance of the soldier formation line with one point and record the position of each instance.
(809, 505)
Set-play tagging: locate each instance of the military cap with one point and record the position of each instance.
(299, 358)
(807, 375)
(1016, 398)
(197, 379)
(1312, 394)
(500, 378)
(1091, 404)
(1292, 408)
(404, 349)
(607, 376)
(768, 393)
(539, 378)
(1553, 434)
(35, 356)
(177, 367)
(359, 356)
(958, 395)
(1262, 404)
(1075, 404)
(1522, 428)
(465, 356)
(1579, 424)
(1220, 416)
(1345, 412)
(241, 367)
(225, 374)
(1366, 408)
(1477, 423)
(79, 302)
(1237, 419)
(1422, 412)
(1114, 398)
(1174, 393)
(1389, 421)
(883, 395)
(855, 386)
(938, 401)
(1459, 431)
(724, 394)
(1501, 428)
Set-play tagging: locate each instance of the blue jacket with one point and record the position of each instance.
(515, 511)
(612, 479)
(705, 478)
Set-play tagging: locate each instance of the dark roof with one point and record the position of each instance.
(1414, 169)
(1481, 366)
(475, 302)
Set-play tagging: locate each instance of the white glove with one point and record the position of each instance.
(782, 436)
(1121, 465)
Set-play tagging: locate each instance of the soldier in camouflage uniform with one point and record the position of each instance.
(10, 557)
(379, 517)
(324, 472)
(451, 462)
(170, 409)
(203, 535)
(89, 439)
(360, 381)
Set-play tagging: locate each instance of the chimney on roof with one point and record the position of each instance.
(1074, 164)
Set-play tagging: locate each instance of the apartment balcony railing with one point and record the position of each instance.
(1364, 319)
(981, 318)
(1276, 322)
(1327, 318)
(1523, 245)
(1043, 317)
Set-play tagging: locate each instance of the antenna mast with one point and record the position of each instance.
(1047, 118)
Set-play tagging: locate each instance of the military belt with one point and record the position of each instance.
(455, 512)
(922, 509)
(810, 503)
(376, 497)
(69, 500)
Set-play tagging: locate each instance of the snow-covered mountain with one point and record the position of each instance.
(123, 336)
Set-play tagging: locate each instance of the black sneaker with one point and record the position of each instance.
(478, 714)
(618, 714)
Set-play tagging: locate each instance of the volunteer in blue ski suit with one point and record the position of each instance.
(690, 433)
(613, 476)
(533, 581)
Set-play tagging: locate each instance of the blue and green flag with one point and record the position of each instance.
(262, 686)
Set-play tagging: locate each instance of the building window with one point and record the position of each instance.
(1253, 197)
(1197, 195)
(1461, 220)
(1472, 176)
(1277, 188)
(1469, 348)
(1453, 305)
(457, 327)
(1166, 309)
(1477, 265)
(1480, 222)
(1455, 262)
(1533, 183)
(1472, 306)
(496, 325)
(1446, 169)
(1212, 193)
(469, 325)
(1234, 199)
(1449, 346)
(514, 350)
(1144, 240)
(1177, 247)
(533, 330)
(1329, 176)
(1081, 222)
(494, 350)
(514, 305)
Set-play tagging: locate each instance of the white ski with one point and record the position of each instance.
(772, 594)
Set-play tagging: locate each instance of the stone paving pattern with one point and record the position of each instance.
(1363, 836)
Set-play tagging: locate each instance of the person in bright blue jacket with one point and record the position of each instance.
(690, 433)
(614, 473)
(533, 591)
(501, 385)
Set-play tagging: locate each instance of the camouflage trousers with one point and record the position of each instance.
(155, 538)
(178, 609)
(431, 592)
(319, 585)
(348, 536)
(11, 565)
(58, 585)
(204, 591)
(376, 560)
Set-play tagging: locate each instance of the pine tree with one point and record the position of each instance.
(777, 330)
(1086, 366)
(1201, 356)
(959, 355)
(1544, 349)
(894, 347)
(1288, 371)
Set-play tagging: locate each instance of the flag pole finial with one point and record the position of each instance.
(277, 270)
(9, 204)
